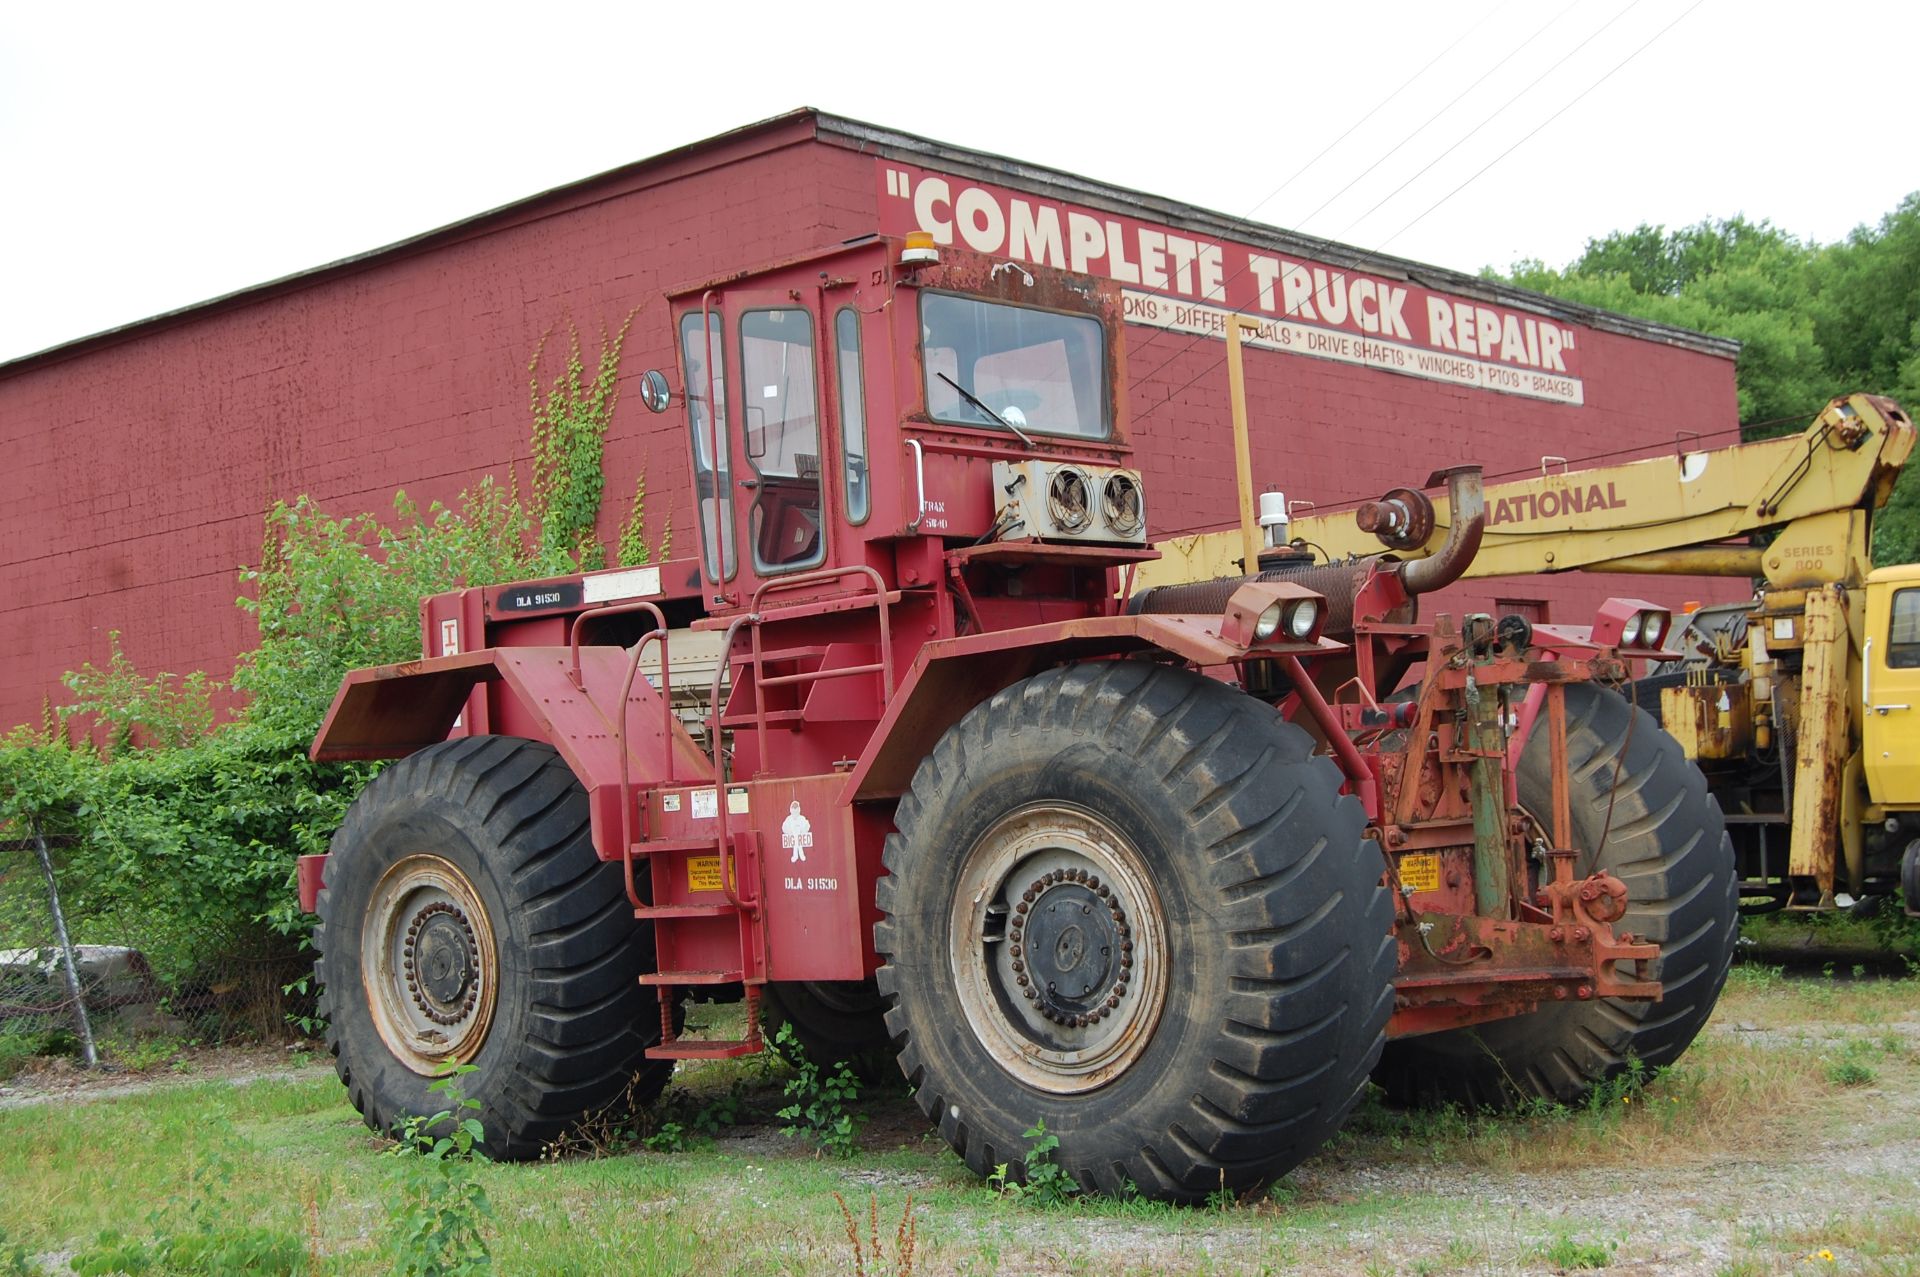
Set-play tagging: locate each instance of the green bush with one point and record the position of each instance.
(184, 833)
(184, 830)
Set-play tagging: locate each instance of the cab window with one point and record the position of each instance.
(1903, 631)
(853, 415)
(779, 416)
(710, 475)
(1038, 370)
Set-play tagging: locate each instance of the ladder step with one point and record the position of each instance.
(775, 718)
(668, 846)
(691, 977)
(684, 911)
(690, 1050)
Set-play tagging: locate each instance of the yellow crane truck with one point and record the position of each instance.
(1802, 705)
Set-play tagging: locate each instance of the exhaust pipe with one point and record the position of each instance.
(1467, 503)
(1340, 583)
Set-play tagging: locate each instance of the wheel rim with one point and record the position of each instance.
(429, 964)
(1057, 945)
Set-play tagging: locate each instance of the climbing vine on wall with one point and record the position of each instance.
(570, 418)
(633, 549)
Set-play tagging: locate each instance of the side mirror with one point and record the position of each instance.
(654, 392)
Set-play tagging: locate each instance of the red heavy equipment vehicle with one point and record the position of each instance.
(1168, 870)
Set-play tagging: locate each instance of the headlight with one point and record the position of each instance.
(1300, 624)
(1656, 628)
(1630, 632)
(1269, 622)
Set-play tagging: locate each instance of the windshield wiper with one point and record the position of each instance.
(975, 400)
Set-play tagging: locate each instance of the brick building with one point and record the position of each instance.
(143, 458)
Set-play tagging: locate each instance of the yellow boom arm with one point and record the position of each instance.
(1665, 514)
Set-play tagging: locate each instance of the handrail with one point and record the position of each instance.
(720, 778)
(829, 574)
(625, 792)
(609, 609)
(920, 481)
(761, 683)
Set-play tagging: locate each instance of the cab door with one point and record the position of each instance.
(782, 505)
(1890, 688)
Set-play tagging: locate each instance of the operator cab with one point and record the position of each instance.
(875, 405)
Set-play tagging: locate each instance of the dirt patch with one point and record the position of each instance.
(58, 1079)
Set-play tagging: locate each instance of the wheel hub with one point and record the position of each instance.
(440, 963)
(1058, 947)
(428, 963)
(1071, 946)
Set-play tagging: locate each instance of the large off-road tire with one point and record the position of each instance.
(1129, 901)
(835, 1021)
(1668, 844)
(466, 919)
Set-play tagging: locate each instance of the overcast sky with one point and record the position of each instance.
(154, 155)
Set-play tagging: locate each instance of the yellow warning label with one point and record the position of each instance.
(1420, 871)
(703, 873)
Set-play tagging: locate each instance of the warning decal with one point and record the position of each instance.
(1420, 871)
(703, 873)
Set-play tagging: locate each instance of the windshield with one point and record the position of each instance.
(1038, 370)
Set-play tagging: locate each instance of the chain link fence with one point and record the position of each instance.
(94, 983)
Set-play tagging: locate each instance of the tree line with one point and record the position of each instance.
(1814, 320)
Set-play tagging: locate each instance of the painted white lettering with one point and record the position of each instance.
(1440, 324)
(981, 222)
(1213, 273)
(1360, 294)
(1084, 241)
(1295, 287)
(1034, 236)
(1392, 321)
(1463, 328)
(1182, 251)
(1488, 323)
(1513, 346)
(1153, 258)
(931, 194)
(1332, 298)
(1550, 348)
(1264, 270)
(1117, 264)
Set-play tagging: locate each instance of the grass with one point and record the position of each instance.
(1429, 1193)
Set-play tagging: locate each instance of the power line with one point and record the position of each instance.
(1509, 56)
(1499, 110)
(1170, 395)
(1434, 118)
(1404, 86)
(1549, 120)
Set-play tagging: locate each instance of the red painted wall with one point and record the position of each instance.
(140, 464)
